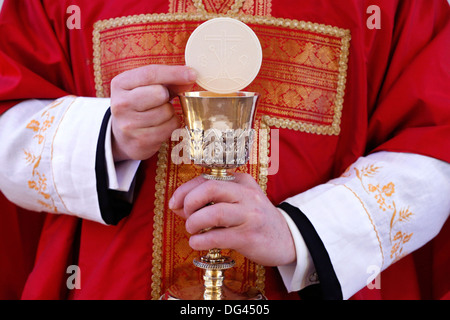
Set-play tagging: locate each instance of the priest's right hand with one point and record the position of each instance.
(142, 114)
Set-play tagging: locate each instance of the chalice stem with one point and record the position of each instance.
(213, 281)
(214, 264)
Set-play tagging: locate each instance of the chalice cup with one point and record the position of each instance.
(220, 138)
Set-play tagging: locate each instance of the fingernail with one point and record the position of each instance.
(191, 75)
(171, 203)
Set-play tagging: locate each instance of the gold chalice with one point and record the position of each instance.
(220, 138)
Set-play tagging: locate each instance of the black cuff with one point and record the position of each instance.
(329, 287)
(112, 206)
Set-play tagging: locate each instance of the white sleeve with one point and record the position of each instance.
(384, 206)
(120, 174)
(48, 155)
(301, 273)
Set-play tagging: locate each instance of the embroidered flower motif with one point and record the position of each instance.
(388, 189)
(33, 125)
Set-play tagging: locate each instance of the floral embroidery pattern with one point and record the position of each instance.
(384, 195)
(38, 181)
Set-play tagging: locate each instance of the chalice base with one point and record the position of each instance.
(231, 290)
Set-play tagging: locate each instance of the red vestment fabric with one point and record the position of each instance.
(395, 100)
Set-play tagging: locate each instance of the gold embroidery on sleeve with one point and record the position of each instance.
(371, 221)
(384, 196)
(38, 181)
(367, 171)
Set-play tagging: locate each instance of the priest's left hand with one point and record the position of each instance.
(242, 218)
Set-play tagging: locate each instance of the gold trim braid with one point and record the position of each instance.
(158, 218)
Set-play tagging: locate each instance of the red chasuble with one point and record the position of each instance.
(335, 88)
